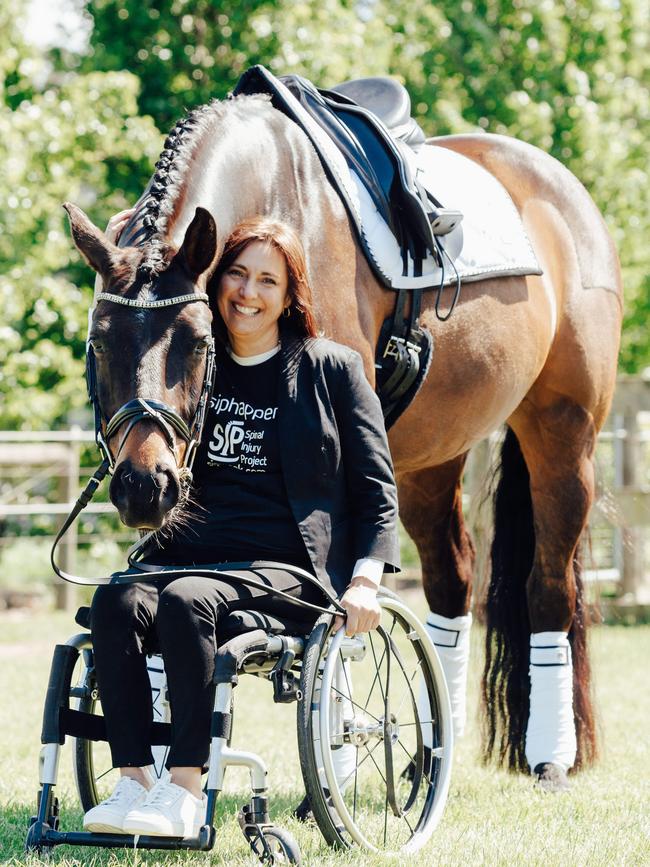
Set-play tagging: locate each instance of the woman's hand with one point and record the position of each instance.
(117, 223)
(360, 602)
(113, 231)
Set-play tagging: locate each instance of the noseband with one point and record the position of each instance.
(146, 409)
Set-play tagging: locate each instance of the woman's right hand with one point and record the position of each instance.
(117, 223)
(113, 230)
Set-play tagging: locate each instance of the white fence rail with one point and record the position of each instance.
(41, 475)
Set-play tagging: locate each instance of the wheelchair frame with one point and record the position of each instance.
(320, 710)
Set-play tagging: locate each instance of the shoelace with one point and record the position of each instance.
(121, 790)
(161, 795)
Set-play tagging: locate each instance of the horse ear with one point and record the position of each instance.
(91, 242)
(200, 243)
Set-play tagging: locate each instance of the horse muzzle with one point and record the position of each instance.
(144, 499)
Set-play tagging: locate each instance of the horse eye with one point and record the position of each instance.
(200, 346)
(98, 347)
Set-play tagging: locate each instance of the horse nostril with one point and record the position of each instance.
(168, 487)
(143, 498)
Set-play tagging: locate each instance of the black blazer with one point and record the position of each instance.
(335, 459)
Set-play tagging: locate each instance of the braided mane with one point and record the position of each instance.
(151, 220)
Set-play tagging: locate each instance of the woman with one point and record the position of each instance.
(294, 467)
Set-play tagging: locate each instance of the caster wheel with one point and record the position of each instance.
(276, 846)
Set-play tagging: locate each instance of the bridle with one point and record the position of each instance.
(146, 409)
(131, 413)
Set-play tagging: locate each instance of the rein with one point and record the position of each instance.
(168, 420)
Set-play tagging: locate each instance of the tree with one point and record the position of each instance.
(61, 137)
(570, 76)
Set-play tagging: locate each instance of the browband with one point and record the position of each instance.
(166, 302)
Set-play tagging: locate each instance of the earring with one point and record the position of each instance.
(287, 312)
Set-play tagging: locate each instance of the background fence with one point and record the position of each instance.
(41, 475)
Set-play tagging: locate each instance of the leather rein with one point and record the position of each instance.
(169, 421)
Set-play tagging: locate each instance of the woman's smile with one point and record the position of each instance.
(252, 296)
(246, 311)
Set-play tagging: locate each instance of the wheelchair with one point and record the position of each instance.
(374, 733)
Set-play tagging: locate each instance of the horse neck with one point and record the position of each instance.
(237, 171)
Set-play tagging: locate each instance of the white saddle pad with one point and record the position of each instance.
(489, 242)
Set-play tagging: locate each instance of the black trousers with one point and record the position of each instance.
(180, 618)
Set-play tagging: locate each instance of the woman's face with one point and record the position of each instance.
(251, 297)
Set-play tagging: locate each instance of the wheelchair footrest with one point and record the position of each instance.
(204, 841)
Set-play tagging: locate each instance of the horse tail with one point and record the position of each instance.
(583, 710)
(506, 683)
(505, 677)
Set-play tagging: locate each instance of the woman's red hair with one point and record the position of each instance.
(301, 320)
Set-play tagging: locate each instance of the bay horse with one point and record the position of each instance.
(536, 353)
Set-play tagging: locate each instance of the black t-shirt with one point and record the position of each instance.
(242, 511)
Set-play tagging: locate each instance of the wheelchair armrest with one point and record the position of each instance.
(231, 655)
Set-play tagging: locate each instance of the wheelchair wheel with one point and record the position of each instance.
(94, 774)
(375, 732)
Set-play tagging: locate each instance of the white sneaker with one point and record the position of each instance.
(109, 815)
(169, 811)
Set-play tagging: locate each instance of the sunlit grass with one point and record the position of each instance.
(492, 817)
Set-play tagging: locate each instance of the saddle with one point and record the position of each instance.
(367, 122)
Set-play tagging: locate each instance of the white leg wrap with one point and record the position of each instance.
(551, 733)
(345, 757)
(451, 638)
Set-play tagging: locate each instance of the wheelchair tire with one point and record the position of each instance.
(83, 753)
(375, 733)
(283, 848)
(91, 760)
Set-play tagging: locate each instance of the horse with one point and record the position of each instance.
(537, 354)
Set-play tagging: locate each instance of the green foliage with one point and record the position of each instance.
(74, 137)
(571, 77)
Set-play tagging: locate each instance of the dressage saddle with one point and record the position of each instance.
(369, 121)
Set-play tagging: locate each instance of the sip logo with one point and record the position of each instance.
(224, 442)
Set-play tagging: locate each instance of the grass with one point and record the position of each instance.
(492, 818)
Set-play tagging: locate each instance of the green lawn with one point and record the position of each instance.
(492, 817)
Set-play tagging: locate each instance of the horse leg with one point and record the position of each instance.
(541, 509)
(432, 514)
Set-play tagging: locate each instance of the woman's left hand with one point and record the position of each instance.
(360, 603)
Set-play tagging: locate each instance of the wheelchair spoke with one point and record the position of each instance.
(386, 817)
(410, 758)
(374, 761)
(355, 703)
(101, 776)
(358, 764)
(378, 667)
(356, 781)
(407, 691)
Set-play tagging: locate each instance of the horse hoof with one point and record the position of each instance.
(303, 812)
(551, 778)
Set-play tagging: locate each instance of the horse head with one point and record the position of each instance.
(150, 352)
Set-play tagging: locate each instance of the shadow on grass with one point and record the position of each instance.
(15, 818)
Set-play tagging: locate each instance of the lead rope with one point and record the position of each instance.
(151, 571)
